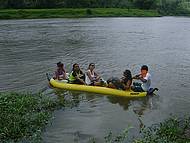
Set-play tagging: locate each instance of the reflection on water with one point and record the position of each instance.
(30, 48)
(144, 104)
(88, 108)
(123, 102)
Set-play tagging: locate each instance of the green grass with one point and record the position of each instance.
(172, 130)
(23, 116)
(74, 13)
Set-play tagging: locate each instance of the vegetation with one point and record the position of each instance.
(145, 4)
(173, 130)
(86, 8)
(23, 116)
(69, 13)
(174, 7)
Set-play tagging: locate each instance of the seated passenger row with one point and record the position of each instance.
(91, 77)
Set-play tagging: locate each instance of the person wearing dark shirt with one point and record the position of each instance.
(77, 76)
(124, 83)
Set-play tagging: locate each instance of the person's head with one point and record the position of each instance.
(60, 65)
(91, 66)
(127, 74)
(76, 67)
(144, 69)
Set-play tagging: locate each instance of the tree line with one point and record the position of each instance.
(144, 4)
(163, 6)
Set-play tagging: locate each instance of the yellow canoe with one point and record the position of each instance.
(96, 89)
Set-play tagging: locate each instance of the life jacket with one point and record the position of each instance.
(71, 77)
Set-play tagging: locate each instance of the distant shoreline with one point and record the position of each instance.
(75, 13)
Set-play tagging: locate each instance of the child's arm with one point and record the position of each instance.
(139, 77)
(97, 75)
(136, 76)
(81, 81)
(142, 79)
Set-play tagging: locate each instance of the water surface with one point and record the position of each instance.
(30, 48)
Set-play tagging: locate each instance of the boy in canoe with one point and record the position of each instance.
(77, 76)
(60, 73)
(145, 79)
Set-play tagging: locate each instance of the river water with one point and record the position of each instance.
(30, 48)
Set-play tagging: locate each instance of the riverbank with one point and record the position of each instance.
(172, 130)
(75, 13)
(23, 117)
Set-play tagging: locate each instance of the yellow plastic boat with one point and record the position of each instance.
(96, 89)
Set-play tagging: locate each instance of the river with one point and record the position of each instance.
(30, 48)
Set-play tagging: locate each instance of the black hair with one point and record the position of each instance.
(144, 67)
(127, 74)
(59, 64)
(90, 65)
(74, 65)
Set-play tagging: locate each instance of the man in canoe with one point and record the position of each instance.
(76, 76)
(124, 83)
(145, 79)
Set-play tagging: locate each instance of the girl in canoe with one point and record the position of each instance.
(92, 78)
(77, 76)
(124, 83)
(60, 73)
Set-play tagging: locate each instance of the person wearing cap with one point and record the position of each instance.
(60, 73)
(92, 77)
(145, 79)
(124, 83)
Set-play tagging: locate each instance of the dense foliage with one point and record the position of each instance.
(167, 7)
(172, 130)
(23, 116)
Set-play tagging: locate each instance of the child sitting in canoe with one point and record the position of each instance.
(76, 76)
(124, 83)
(60, 73)
(92, 77)
(145, 79)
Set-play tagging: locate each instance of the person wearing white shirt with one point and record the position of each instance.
(92, 77)
(145, 79)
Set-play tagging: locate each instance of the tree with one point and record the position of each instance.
(15, 4)
(144, 4)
